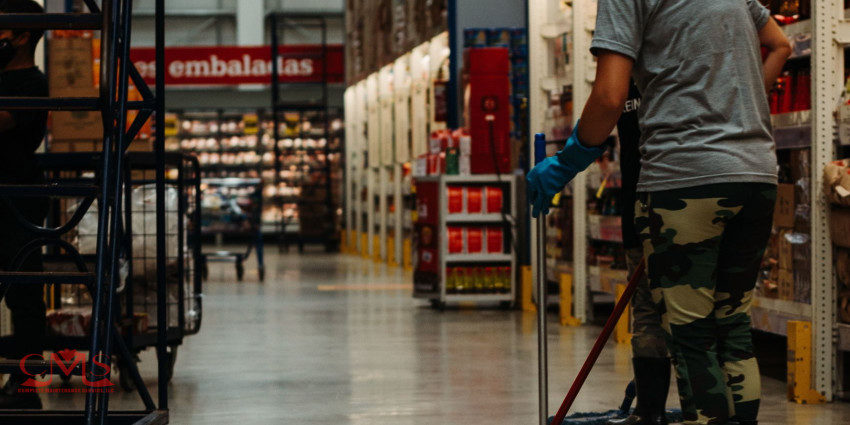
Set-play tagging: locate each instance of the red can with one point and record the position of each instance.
(474, 197)
(455, 240)
(474, 240)
(494, 199)
(495, 240)
(455, 199)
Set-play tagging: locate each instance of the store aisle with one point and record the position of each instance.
(332, 339)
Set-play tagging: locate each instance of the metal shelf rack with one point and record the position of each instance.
(113, 19)
(326, 219)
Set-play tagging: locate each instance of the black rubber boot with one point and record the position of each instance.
(12, 399)
(652, 382)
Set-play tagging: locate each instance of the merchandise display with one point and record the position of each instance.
(474, 259)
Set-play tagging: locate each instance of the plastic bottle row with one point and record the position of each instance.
(478, 280)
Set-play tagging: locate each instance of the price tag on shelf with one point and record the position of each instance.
(251, 124)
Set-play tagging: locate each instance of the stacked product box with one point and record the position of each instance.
(786, 271)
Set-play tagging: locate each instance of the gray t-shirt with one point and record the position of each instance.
(704, 114)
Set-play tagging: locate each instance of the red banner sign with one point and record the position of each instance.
(233, 65)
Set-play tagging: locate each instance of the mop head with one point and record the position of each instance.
(597, 418)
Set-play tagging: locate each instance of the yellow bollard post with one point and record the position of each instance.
(391, 260)
(621, 330)
(566, 301)
(376, 248)
(407, 254)
(525, 290)
(800, 364)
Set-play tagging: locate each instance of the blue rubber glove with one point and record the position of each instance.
(549, 177)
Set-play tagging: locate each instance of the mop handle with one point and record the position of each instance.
(600, 343)
(542, 346)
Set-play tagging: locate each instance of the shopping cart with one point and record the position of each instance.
(233, 207)
(69, 306)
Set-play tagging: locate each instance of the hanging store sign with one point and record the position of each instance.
(234, 65)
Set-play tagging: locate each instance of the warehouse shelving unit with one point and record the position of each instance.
(113, 19)
(802, 130)
(320, 185)
(390, 118)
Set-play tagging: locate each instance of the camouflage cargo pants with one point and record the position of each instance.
(648, 337)
(703, 247)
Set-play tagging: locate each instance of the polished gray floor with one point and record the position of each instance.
(333, 339)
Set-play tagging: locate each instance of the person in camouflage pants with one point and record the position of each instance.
(649, 348)
(703, 247)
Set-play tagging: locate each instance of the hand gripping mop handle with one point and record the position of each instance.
(600, 343)
(542, 349)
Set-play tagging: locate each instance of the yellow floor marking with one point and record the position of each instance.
(367, 287)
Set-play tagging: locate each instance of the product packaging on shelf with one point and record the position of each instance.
(478, 280)
(495, 199)
(474, 240)
(784, 211)
(470, 199)
(495, 240)
(455, 199)
(456, 240)
(473, 199)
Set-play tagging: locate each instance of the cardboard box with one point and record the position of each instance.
(141, 145)
(70, 65)
(839, 224)
(783, 215)
(785, 253)
(786, 285)
(76, 125)
(67, 146)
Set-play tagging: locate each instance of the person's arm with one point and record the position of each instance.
(779, 50)
(605, 104)
(7, 122)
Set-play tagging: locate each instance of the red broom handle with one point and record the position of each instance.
(600, 344)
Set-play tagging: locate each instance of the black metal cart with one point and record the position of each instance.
(236, 211)
(70, 305)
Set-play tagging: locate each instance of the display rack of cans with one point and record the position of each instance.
(474, 258)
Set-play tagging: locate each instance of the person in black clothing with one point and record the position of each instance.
(649, 348)
(21, 133)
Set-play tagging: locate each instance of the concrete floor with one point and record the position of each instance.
(332, 339)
